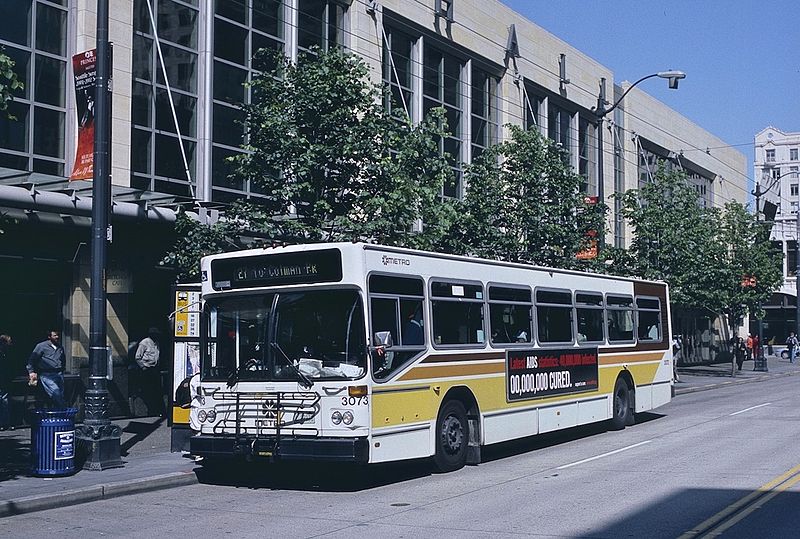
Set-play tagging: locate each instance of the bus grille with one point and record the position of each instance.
(267, 414)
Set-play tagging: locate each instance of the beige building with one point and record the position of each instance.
(485, 64)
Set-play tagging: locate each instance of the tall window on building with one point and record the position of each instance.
(156, 162)
(558, 125)
(587, 162)
(319, 23)
(398, 73)
(484, 111)
(792, 154)
(791, 258)
(442, 87)
(532, 103)
(34, 35)
(770, 156)
(245, 37)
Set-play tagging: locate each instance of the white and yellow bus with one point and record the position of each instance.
(363, 353)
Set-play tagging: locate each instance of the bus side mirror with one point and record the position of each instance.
(383, 338)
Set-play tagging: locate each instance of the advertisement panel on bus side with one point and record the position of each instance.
(537, 373)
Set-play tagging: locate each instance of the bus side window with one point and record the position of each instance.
(648, 319)
(457, 313)
(510, 315)
(619, 313)
(554, 316)
(396, 306)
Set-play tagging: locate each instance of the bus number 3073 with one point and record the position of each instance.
(354, 401)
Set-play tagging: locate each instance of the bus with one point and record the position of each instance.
(356, 352)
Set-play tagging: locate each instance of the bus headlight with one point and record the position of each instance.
(211, 416)
(347, 417)
(201, 415)
(336, 417)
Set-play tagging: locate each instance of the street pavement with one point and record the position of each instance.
(149, 464)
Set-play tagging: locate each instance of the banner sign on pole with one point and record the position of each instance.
(85, 71)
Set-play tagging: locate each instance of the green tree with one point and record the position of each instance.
(9, 83)
(328, 155)
(523, 203)
(753, 265)
(332, 164)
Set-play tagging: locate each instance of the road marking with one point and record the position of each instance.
(751, 408)
(603, 455)
(716, 521)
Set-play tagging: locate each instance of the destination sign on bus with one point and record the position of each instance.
(533, 374)
(277, 269)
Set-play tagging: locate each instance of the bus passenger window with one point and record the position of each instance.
(589, 317)
(619, 318)
(397, 306)
(554, 316)
(457, 314)
(510, 315)
(648, 319)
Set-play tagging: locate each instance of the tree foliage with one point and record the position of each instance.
(9, 82)
(328, 155)
(524, 204)
(332, 165)
(702, 253)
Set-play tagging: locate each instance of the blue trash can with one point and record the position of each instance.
(53, 442)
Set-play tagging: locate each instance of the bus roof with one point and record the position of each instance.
(351, 246)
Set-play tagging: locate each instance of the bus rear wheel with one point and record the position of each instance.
(622, 406)
(452, 437)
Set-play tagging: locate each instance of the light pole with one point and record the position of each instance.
(760, 360)
(601, 111)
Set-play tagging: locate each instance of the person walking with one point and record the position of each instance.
(739, 351)
(791, 343)
(749, 346)
(5, 383)
(46, 368)
(149, 376)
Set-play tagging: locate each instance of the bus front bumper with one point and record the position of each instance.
(287, 448)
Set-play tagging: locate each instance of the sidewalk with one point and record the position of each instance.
(149, 465)
(703, 377)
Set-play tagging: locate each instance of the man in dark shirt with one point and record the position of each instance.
(46, 366)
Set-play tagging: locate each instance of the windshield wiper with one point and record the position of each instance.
(305, 381)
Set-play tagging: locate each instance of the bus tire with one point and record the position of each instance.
(452, 437)
(621, 406)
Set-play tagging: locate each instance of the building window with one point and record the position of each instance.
(398, 73)
(34, 35)
(484, 111)
(775, 173)
(245, 38)
(319, 23)
(793, 189)
(156, 161)
(532, 103)
(442, 87)
(770, 156)
(792, 154)
(586, 156)
(558, 125)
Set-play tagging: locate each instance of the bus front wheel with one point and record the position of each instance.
(452, 437)
(622, 406)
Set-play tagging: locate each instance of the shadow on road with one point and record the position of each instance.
(318, 476)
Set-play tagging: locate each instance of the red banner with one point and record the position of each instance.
(84, 69)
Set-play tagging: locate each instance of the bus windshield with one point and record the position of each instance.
(285, 336)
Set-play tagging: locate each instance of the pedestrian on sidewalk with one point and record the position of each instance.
(791, 343)
(677, 346)
(46, 369)
(739, 351)
(5, 383)
(770, 346)
(749, 346)
(148, 374)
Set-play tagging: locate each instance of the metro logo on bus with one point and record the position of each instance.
(533, 374)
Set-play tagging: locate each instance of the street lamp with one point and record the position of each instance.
(601, 111)
(760, 362)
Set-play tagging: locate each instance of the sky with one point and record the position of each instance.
(741, 57)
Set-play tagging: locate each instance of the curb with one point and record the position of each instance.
(41, 502)
(731, 382)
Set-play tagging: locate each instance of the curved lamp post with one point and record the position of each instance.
(760, 360)
(601, 111)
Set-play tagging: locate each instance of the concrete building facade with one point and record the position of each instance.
(484, 63)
